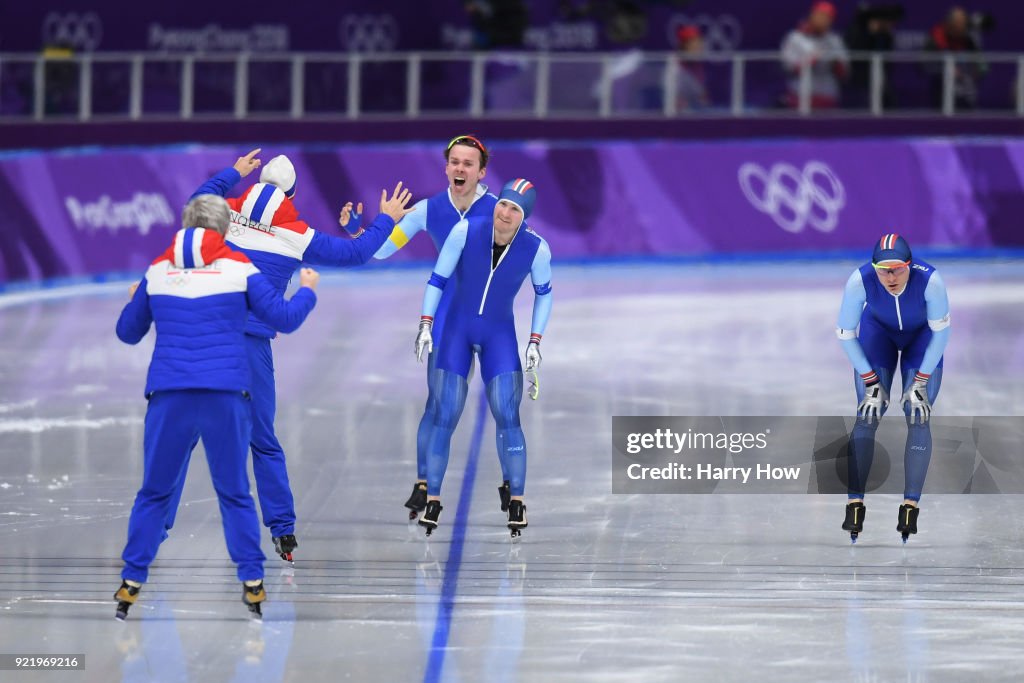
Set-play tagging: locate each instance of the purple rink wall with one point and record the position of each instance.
(91, 212)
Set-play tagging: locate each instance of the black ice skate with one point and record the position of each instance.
(284, 545)
(429, 519)
(907, 522)
(505, 494)
(516, 517)
(253, 597)
(126, 596)
(418, 500)
(854, 522)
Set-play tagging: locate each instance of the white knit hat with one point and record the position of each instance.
(280, 173)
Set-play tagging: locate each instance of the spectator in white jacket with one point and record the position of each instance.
(813, 45)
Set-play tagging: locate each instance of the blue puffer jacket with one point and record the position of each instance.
(199, 294)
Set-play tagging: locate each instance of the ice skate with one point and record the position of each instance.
(126, 596)
(253, 597)
(418, 500)
(854, 522)
(429, 519)
(907, 522)
(505, 494)
(516, 518)
(284, 545)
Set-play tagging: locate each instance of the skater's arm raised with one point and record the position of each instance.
(223, 182)
(854, 298)
(327, 250)
(136, 317)
(937, 305)
(405, 230)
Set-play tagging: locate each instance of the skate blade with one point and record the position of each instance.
(287, 557)
(255, 612)
(121, 614)
(853, 538)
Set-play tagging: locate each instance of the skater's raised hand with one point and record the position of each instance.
(915, 400)
(395, 205)
(424, 341)
(876, 398)
(249, 163)
(351, 220)
(309, 278)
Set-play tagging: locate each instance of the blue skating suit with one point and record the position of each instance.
(481, 320)
(266, 227)
(437, 216)
(910, 329)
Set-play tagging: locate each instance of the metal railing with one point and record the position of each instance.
(523, 85)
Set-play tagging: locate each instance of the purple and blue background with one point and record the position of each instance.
(613, 188)
(93, 212)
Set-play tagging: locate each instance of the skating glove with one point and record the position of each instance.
(917, 397)
(424, 342)
(533, 364)
(876, 398)
(533, 353)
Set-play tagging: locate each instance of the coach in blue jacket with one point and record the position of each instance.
(199, 293)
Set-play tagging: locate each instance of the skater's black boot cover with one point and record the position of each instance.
(431, 514)
(854, 522)
(516, 517)
(907, 522)
(418, 500)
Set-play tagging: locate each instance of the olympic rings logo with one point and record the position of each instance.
(78, 31)
(795, 198)
(369, 32)
(178, 280)
(235, 230)
(721, 34)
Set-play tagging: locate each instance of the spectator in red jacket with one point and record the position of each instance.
(953, 35)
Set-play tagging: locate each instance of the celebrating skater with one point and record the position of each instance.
(491, 257)
(465, 197)
(901, 306)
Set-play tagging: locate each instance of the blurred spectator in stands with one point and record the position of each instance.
(954, 35)
(813, 45)
(497, 23)
(691, 92)
(871, 31)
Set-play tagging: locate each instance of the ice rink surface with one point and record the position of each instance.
(602, 587)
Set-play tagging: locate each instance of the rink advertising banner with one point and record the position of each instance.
(813, 454)
(93, 212)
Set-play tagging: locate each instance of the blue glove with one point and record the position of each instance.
(351, 219)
